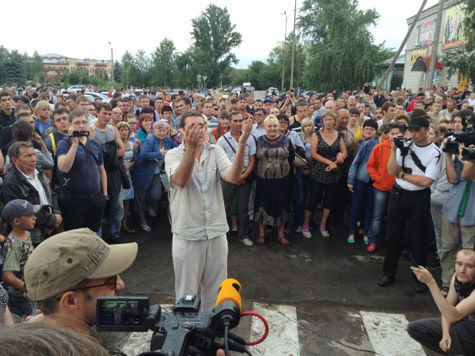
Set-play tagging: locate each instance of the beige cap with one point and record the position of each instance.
(63, 260)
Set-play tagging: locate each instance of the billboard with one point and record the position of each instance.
(452, 28)
(426, 34)
(416, 54)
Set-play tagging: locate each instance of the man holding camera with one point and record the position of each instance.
(415, 164)
(82, 196)
(66, 274)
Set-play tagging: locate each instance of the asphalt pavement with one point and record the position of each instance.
(330, 285)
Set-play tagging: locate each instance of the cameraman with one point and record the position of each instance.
(66, 274)
(409, 200)
(82, 196)
(458, 216)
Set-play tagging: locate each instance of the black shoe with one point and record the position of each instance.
(421, 288)
(385, 280)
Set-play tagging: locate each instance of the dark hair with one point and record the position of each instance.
(234, 113)
(22, 130)
(72, 96)
(22, 107)
(186, 100)
(224, 114)
(5, 93)
(103, 106)
(59, 111)
(14, 149)
(23, 115)
(354, 111)
(24, 99)
(387, 105)
(188, 114)
(167, 108)
(397, 125)
(282, 117)
(302, 103)
(81, 98)
(264, 111)
(76, 113)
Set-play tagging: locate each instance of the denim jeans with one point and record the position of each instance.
(21, 306)
(379, 212)
(361, 205)
(153, 194)
(116, 212)
(298, 196)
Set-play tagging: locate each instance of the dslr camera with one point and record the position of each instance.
(182, 332)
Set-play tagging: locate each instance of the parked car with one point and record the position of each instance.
(92, 96)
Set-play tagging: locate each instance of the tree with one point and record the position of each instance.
(126, 64)
(163, 64)
(35, 68)
(462, 60)
(117, 72)
(342, 54)
(214, 37)
(188, 66)
(14, 68)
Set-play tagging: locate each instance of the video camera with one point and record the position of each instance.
(403, 144)
(467, 137)
(77, 133)
(184, 331)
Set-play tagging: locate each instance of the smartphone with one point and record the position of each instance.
(122, 313)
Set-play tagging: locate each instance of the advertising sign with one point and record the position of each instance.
(452, 28)
(426, 34)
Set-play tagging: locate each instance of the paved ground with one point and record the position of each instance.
(329, 285)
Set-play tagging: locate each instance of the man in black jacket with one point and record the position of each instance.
(24, 181)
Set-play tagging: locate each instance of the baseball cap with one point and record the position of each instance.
(269, 100)
(63, 260)
(16, 209)
(418, 122)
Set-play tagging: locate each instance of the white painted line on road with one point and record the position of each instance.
(139, 342)
(387, 333)
(283, 338)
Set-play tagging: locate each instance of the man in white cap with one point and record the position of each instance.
(66, 274)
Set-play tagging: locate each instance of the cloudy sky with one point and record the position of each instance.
(82, 29)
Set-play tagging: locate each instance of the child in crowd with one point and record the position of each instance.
(16, 250)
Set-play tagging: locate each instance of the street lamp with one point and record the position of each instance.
(283, 49)
(112, 60)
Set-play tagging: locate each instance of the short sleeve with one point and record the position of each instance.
(434, 167)
(252, 145)
(398, 157)
(63, 147)
(223, 163)
(172, 161)
(11, 262)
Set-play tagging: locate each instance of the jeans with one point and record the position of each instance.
(116, 212)
(242, 194)
(362, 202)
(298, 196)
(428, 332)
(21, 306)
(154, 192)
(83, 212)
(379, 211)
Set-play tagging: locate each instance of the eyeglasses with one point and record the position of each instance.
(111, 281)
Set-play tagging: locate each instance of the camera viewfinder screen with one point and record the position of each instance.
(127, 314)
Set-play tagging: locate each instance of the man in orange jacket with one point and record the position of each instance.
(383, 181)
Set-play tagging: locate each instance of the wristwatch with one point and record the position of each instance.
(402, 176)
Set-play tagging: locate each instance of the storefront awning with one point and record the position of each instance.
(422, 63)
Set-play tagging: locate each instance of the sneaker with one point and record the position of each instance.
(366, 240)
(371, 247)
(306, 232)
(299, 230)
(350, 239)
(246, 242)
(146, 228)
(152, 212)
(324, 233)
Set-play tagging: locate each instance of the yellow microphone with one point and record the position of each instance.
(230, 289)
(228, 306)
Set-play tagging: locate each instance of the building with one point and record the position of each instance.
(395, 77)
(56, 65)
(420, 42)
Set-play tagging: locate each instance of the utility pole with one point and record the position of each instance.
(435, 46)
(391, 66)
(293, 49)
(283, 50)
(112, 59)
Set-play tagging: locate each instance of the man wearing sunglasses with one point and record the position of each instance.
(66, 274)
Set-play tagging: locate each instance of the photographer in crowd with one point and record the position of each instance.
(415, 164)
(82, 196)
(66, 274)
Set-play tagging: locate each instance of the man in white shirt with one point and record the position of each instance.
(199, 225)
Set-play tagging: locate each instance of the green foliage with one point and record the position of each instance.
(342, 54)
(163, 68)
(214, 37)
(462, 60)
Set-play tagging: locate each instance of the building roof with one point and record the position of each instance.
(400, 60)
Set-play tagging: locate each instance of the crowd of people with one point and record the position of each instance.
(371, 161)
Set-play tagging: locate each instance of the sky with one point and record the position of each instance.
(83, 29)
